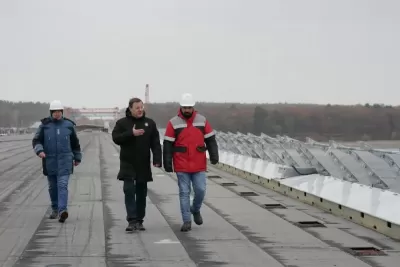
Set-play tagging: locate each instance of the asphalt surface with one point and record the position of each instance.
(237, 230)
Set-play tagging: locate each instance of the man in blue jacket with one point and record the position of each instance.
(57, 144)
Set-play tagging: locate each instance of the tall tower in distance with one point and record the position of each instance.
(147, 94)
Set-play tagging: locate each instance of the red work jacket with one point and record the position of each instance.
(188, 135)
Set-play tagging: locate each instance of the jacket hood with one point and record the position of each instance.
(128, 113)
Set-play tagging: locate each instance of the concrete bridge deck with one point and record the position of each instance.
(239, 230)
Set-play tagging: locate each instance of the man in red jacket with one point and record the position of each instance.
(187, 138)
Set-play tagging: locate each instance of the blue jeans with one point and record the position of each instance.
(198, 180)
(58, 190)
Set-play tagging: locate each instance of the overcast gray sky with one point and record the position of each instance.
(100, 53)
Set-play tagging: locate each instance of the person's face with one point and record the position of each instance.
(57, 114)
(137, 109)
(187, 111)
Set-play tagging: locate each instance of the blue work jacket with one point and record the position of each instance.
(59, 141)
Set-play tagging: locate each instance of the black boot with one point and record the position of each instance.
(131, 227)
(53, 214)
(186, 227)
(196, 217)
(140, 227)
(63, 216)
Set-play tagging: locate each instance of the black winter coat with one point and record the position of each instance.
(135, 154)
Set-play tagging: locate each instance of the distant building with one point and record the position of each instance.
(35, 125)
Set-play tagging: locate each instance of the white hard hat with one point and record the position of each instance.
(187, 100)
(56, 105)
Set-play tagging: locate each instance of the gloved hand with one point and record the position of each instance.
(168, 169)
(213, 161)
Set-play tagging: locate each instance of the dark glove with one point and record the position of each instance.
(168, 169)
(213, 161)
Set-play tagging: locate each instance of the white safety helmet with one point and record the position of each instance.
(187, 100)
(56, 105)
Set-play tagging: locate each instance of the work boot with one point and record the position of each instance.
(139, 226)
(63, 216)
(186, 227)
(131, 227)
(53, 214)
(197, 217)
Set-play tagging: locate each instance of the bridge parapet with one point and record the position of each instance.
(359, 183)
(108, 114)
(83, 127)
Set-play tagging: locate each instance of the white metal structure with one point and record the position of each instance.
(107, 114)
(366, 190)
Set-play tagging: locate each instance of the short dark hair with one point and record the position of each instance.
(134, 100)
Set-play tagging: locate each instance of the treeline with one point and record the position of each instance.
(320, 122)
(21, 114)
(24, 114)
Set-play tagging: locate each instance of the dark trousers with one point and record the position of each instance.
(135, 200)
